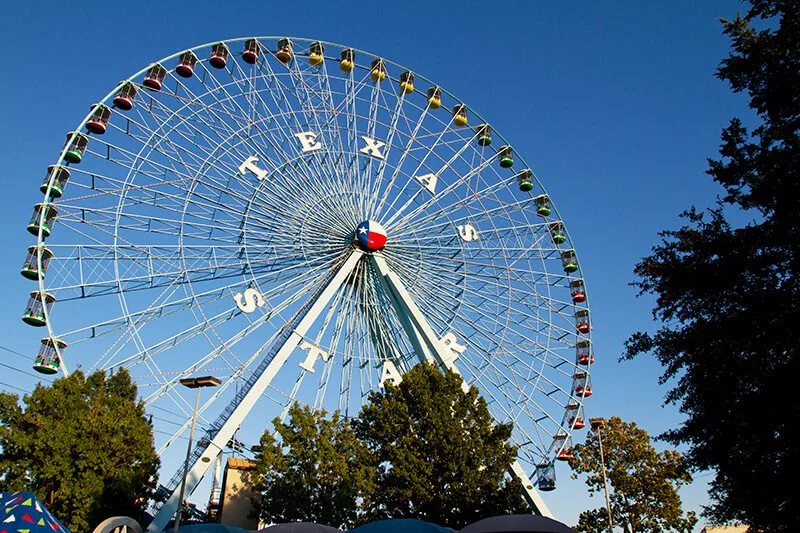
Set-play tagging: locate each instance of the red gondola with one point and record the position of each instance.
(584, 354)
(124, 98)
(186, 63)
(251, 51)
(577, 291)
(565, 455)
(154, 79)
(219, 55)
(98, 122)
(582, 321)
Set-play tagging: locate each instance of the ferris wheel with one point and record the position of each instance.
(305, 221)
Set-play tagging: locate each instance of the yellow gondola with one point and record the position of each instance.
(435, 97)
(378, 70)
(407, 82)
(285, 51)
(316, 54)
(348, 60)
(460, 115)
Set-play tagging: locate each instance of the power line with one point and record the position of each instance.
(14, 352)
(22, 356)
(181, 437)
(24, 372)
(166, 420)
(14, 387)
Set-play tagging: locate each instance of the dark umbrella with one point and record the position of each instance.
(401, 525)
(299, 527)
(209, 528)
(517, 523)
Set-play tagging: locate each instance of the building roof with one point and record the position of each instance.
(237, 463)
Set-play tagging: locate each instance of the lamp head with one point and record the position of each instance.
(597, 422)
(204, 381)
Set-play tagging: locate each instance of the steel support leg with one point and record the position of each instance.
(421, 333)
(226, 432)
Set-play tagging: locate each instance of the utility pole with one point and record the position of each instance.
(192, 383)
(597, 424)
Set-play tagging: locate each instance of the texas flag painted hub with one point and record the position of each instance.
(370, 236)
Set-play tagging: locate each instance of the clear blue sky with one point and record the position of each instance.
(613, 104)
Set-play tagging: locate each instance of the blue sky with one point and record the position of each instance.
(613, 104)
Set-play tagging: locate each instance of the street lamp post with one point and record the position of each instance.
(597, 424)
(192, 383)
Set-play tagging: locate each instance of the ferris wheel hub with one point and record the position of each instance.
(370, 236)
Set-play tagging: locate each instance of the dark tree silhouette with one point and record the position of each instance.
(727, 294)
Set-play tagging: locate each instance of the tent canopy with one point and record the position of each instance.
(22, 512)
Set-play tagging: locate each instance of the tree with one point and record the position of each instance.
(442, 459)
(318, 471)
(82, 445)
(644, 483)
(727, 293)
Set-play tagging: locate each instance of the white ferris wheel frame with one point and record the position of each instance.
(416, 326)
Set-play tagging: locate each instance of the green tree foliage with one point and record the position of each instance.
(318, 471)
(643, 483)
(82, 445)
(727, 294)
(441, 459)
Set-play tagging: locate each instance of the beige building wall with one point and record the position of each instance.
(724, 529)
(237, 494)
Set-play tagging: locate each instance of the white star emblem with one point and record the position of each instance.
(362, 230)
